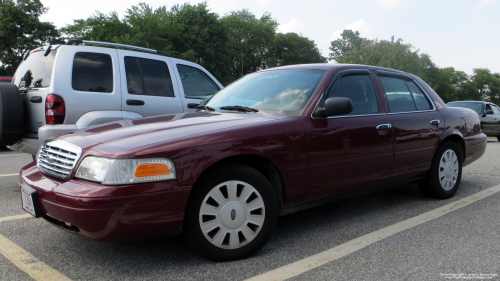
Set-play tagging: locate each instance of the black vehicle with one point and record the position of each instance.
(489, 113)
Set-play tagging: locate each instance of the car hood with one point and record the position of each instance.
(116, 137)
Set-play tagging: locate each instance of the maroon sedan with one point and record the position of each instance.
(271, 143)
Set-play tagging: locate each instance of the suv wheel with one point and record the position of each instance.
(11, 114)
(231, 214)
(445, 174)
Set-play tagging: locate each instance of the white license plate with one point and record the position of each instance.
(27, 201)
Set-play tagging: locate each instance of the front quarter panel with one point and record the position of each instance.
(282, 142)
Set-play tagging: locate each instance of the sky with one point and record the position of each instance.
(464, 34)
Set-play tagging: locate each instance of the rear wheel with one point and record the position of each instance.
(445, 174)
(231, 214)
(11, 114)
(498, 138)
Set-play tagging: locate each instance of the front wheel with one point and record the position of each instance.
(445, 174)
(231, 214)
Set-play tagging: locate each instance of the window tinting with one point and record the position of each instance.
(399, 96)
(148, 77)
(196, 84)
(92, 72)
(420, 99)
(359, 90)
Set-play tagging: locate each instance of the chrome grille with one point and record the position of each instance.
(58, 158)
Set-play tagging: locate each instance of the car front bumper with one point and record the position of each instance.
(108, 213)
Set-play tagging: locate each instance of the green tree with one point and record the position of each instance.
(22, 31)
(342, 48)
(249, 42)
(291, 48)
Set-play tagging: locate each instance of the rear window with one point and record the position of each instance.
(36, 70)
(92, 72)
(470, 105)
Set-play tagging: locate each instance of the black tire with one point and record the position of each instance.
(192, 231)
(498, 138)
(11, 114)
(432, 186)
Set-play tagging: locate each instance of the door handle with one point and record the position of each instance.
(435, 122)
(384, 127)
(36, 99)
(135, 102)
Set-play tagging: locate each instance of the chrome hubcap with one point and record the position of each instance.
(448, 169)
(232, 214)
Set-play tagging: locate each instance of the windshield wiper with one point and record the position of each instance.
(239, 108)
(204, 107)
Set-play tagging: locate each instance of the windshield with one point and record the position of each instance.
(284, 92)
(471, 105)
(36, 70)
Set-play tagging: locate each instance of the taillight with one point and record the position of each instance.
(55, 110)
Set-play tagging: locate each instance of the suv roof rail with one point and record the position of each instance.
(78, 42)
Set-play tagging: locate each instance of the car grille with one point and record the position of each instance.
(58, 158)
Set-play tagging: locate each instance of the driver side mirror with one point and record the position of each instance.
(335, 106)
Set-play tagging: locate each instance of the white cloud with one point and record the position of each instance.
(387, 4)
(292, 26)
(484, 2)
(364, 28)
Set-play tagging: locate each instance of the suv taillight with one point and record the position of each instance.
(55, 110)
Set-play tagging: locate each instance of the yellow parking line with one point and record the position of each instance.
(306, 264)
(35, 268)
(9, 175)
(17, 217)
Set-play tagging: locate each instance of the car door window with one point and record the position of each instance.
(404, 95)
(496, 111)
(359, 89)
(196, 84)
(92, 72)
(148, 77)
(421, 101)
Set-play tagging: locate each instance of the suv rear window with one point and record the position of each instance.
(476, 106)
(92, 72)
(36, 70)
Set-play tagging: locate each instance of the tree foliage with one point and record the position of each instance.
(21, 31)
(230, 46)
(449, 83)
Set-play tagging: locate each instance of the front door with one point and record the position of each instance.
(351, 152)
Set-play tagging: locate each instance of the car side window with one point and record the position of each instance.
(92, 72)
(496, 111)
(196, 84)
(421, 101)
(359, 89)
(148, 77)
(404, 95)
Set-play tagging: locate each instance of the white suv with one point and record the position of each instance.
(63, 88)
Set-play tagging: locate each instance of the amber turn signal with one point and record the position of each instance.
(151, 170)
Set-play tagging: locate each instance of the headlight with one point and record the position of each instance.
(125, 171)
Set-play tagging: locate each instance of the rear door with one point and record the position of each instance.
(148, 85)
(195, 83)
(417, 126)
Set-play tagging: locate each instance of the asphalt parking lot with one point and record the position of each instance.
(452, 244)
